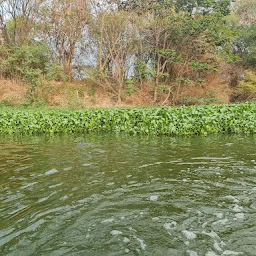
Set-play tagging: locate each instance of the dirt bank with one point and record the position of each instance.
(84, 94)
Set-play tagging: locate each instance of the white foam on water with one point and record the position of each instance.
(132, 229)
(240, 215)
(189, 234)
(22, 168)
(192, 253)
(220, 222)
(56, 185)
(217, 247)
(52, 171)
(187, 243)
(110, 184)
(107, 220)
(232, 198)
(87, 164)
(126, 240)
(237, 208)
(126, 250)
(15, 211)
(145, 165)
(232, 253)
(67, 168)
(45, 198)
(211, 253)
(142, 243)
(116, 232)
(155, 219)
(199, 213)
(64, 198)
(153, 198)
(171, 225)
(211, 234)
(204, 224)
(29, 185)
(219, 215)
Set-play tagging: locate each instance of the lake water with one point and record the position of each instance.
(122, 195)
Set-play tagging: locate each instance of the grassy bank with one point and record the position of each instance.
(239, 118)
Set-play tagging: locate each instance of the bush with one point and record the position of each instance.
(26, 63)
(55, 72)
(246, 89)
(246, 46)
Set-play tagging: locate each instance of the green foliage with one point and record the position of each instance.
(229, 56)
(55, 72)
(32, 76)
(203, 120)
(130, 87)
(19, 30)
(203, 6)
(179, 47)
(184, 80)
(29, 63)
(26, 63)
(162, 42)
(210, 98)
(246, 45)
(199, 66)
(5, 103)
(247, 88)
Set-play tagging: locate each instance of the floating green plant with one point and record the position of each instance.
(238, 118)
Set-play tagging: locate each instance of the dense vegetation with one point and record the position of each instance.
(240, 118)
(125, 46)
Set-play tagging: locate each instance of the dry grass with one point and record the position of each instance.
(214, 84)
(12, 92)
(84, 94)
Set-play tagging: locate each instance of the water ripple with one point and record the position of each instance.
(128, 196)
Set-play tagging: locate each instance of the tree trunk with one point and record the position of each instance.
(4, 30)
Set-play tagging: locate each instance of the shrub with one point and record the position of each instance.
(55, 72)
(26, 63)
(246, 89)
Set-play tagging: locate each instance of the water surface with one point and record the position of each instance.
(122, 195)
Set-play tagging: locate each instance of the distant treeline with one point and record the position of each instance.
(127, 45)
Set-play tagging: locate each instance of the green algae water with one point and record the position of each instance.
(121, 195)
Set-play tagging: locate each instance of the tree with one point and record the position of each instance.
(204, 6)
(17, 18)
(63, 24)
(190, 6)
(114, 37)
(246, 42)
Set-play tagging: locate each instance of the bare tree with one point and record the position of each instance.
(20, 15)
(115, 37)
(63, 24)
